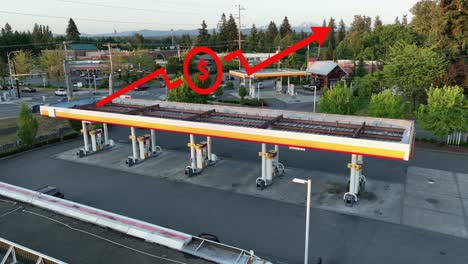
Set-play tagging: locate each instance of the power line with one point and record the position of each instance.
(128, 7)
(92, 19)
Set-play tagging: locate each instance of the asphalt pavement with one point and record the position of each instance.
(275, 230)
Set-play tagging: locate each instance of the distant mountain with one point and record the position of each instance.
(146, 33)
(305, 26)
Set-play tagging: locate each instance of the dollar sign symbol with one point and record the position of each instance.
(204, 72)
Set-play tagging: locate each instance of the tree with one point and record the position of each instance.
(242, 92)
(141, 60)
(338, 100)
(27, 126)
(3, 70)
(231, 33)
(404, 21)
(285, 27)
(173, 65)
(23, 62)
(341, 31)
(219, 92)
(412, 69)
(72, 33)
(329, 52)
(423, 21)
(387, 105)
(183, 93)
(271, 33)
(446, 111)
(377, 22)
(137, 40)
(369, 84)
(252, 40)
(51, 62)
(229, 85)
(292, 61)
(203, 35)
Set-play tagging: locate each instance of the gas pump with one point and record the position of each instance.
(143, 147)
(99, 140)
(271, 167)
(200, 156)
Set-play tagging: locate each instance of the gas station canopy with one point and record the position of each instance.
(379, 137)
(269, 73)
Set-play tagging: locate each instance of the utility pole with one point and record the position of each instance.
(11, 74)
(65, 72)
(307, 56)
(239, 8)
(178, 51)
(111, 89)
(16, 79)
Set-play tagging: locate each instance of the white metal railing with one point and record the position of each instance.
(15, 252)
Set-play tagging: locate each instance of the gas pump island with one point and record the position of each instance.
(354, 135)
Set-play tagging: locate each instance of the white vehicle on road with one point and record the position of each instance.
(61, 92)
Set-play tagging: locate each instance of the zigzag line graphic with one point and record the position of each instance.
(161, 71)
(319, 35)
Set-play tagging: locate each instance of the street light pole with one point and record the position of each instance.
(315, 96)
(306, 249)
(11, 75)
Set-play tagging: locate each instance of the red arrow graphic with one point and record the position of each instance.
(161, 71)
(319, 35)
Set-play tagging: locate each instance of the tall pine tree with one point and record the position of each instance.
(72, 31)
(341, 32)
(203, 35)
(285, 28)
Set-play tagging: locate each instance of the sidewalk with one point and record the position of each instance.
(414, 203)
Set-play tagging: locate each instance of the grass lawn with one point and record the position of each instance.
(47, 126)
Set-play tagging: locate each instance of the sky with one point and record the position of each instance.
(105, 16)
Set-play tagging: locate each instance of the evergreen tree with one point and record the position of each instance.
(203, 35)
(27, 126)
(271, 33)
(361, 24)
(72, 31)
(404, 21)
(377, 22)
(252, 40)
(331, 34)
(285, 27)
(231, 33)
(341, 32)
(397, 21)
(223, 35)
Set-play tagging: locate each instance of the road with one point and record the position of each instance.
(274, 229)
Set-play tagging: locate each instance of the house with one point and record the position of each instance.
(326, 73)
(79, 50)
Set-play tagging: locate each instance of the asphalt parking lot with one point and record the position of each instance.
(273, 229)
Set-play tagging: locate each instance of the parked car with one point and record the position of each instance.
(142, 88)
(28, 90)
(22, 83)
(60, 92)
(52, 191)
(78, 84)
(260, 85)
(229, 77)
(5, 87)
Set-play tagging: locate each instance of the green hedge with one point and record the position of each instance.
(38, 144)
